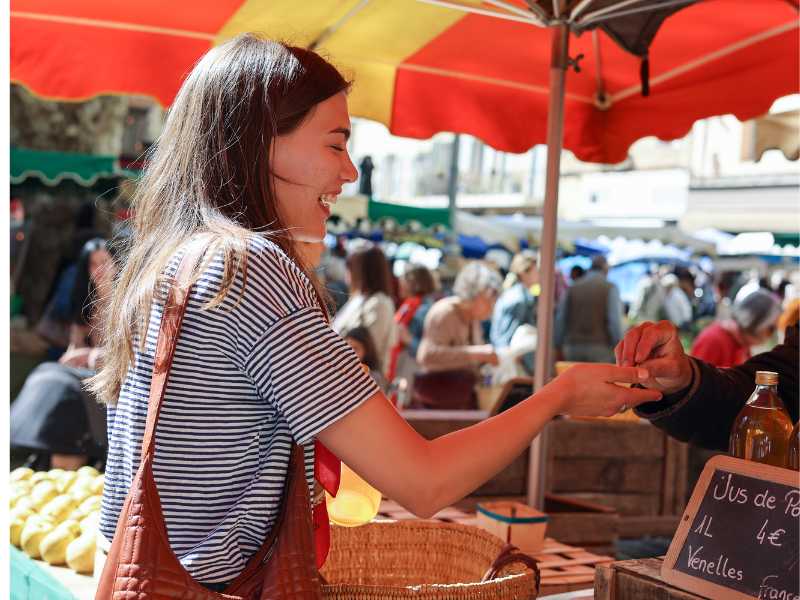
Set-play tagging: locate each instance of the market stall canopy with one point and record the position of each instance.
(422, 67)
(780, 131)
(530, 228)
(402, 214)
(53, 167)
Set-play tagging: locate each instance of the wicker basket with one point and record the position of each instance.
(424, 560)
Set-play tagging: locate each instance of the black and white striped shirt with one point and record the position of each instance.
(248, 377)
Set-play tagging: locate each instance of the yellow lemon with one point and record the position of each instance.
(36, 527)
(80, 554)
(81, 489)
(26, 502)
(42, 493)
(53, 546)
(66, 480)
(15, 528)
(91, 504)
(21, 474)
(39, 476)
(87, 470)
(58, 508)
(97, 484)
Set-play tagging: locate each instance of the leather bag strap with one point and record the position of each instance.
(171, 320)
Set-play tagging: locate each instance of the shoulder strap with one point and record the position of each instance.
(171, 320)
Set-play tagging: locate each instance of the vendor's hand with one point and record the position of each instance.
(590, 390)
(657, 348)
(76, 357)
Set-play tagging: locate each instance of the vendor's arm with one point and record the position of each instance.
(426, 476)
(702, 401)
(436, 350)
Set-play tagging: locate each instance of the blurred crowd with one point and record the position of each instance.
(441, 338)
(433, 337)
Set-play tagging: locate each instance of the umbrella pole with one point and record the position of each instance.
(547, 251)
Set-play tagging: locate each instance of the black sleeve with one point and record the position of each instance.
(703, 413)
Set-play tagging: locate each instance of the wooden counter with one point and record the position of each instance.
(638, 579)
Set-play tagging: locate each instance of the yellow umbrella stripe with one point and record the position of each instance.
(353, 35)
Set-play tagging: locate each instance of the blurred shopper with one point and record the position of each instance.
(365, 167)
(452, 344)
(576, 272)
(370, 304)
(361, 342)
(53, 415)
(727, 343)
(517, 305)
(677, 307)
(649, 302)
(416, 286)
(589, 318)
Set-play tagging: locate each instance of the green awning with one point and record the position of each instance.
(53, 167)
(403, 214)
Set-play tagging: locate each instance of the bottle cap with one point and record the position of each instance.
(766, 378)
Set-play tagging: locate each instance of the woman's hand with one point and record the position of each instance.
(76, 357)
(657, 348)
(591, 390)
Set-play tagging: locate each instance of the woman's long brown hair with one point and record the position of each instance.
(210, 173)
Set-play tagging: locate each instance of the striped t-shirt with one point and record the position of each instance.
(248, 377)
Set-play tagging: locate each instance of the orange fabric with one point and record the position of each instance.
(512, 116)
(328, 472)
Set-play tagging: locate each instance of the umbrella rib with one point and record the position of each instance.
(529, 19)
(329, 31)
(515, 10)
(710, 57)
(490, 80)
(579, 8)
(601, 86)
(608, 9)
(112, 25)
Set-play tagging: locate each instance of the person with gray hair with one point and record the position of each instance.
(727, 343)
(452, 346)
(452, 336)
(517, 305)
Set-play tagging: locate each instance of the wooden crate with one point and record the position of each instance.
(567, 568)
(630, 466)
(585, 524)
(431, 424)
(638, 579)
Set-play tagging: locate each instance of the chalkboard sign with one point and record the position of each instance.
(739, 536)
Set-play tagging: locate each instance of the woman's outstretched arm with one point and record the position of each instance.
(426, 476)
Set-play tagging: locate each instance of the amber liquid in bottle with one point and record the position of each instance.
(761, 430)
(793, 460)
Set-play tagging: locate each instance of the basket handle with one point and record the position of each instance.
(511, 554)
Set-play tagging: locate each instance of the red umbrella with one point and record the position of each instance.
(441, 69)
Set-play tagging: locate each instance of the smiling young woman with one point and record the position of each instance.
(251, 157)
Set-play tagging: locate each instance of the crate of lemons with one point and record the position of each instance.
(54, 515)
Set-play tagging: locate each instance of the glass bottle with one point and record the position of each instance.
(793, 458)
(761, 430)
